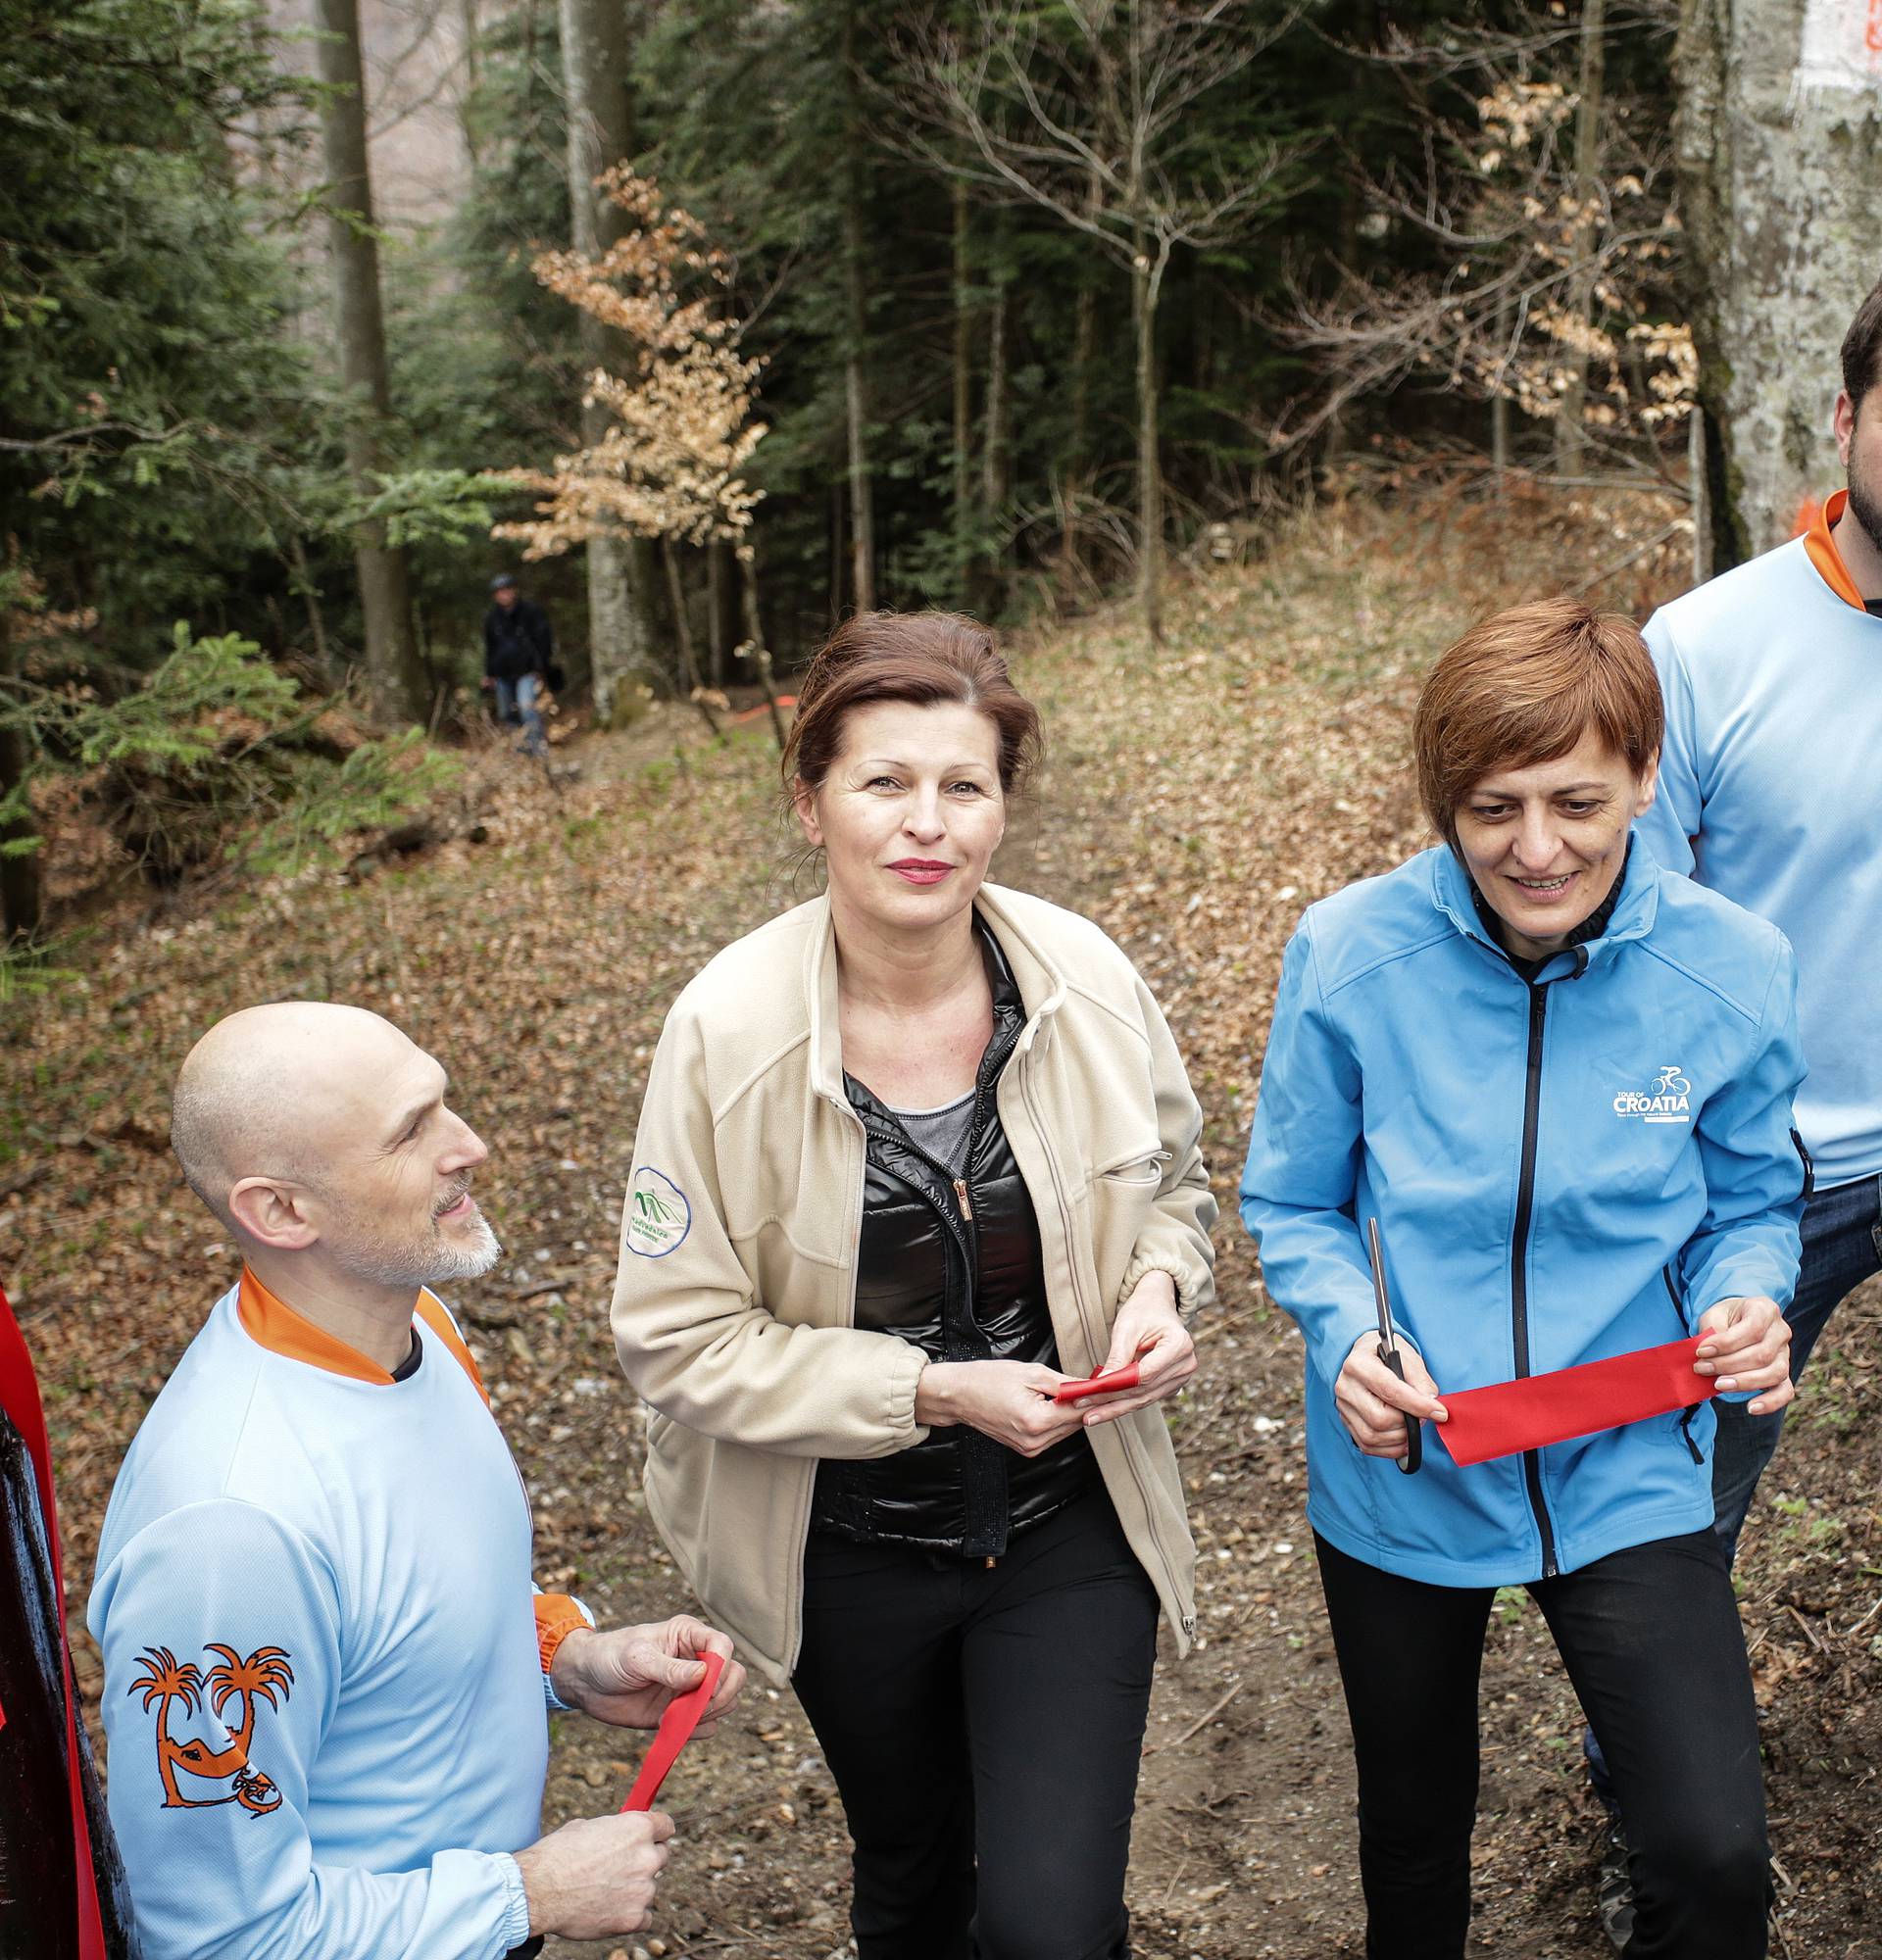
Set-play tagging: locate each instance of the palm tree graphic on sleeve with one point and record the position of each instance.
(161, 1680)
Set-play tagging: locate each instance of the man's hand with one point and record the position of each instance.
(1748, 1346)
(629, 1675)
(1149, 1331)
(1374, 1402)
(1008, 1401)
(595, 1877)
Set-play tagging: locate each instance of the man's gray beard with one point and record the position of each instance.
(385, 1263)
(1864, 508)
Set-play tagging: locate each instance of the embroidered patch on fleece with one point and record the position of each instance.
(658, 1217)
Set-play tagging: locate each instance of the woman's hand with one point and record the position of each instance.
(1374, 1402)
(1149, 1331)
(1748, 1346)
(1008, 1401)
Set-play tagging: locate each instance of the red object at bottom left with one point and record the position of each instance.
(62, 1887)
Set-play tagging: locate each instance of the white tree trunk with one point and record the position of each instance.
(1780, 155)
(1570, 417)
(855, 335)
(594, 72)
(1150, 470)
(395, 677)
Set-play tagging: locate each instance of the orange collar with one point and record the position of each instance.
(275, 1325)
(1824, 555)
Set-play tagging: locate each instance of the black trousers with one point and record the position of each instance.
(1651, 1640)
(983, 1725)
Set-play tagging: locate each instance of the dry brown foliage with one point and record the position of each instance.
(681, 423)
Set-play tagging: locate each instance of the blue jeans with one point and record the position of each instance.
(1842, 1234)
(517, 702)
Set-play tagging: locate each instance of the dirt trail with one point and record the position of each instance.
(1197, 800)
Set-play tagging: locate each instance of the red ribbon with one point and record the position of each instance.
(675, 1730)
(1550, 1409)
(1098, 1384)
(20, 1396)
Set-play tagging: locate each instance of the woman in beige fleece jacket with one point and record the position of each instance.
(913, 1157)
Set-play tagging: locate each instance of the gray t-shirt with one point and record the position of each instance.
(942, 1133)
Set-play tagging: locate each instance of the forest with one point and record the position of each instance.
(1228, 357)
(987, 307)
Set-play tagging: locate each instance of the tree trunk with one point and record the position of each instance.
(303, 583)
(855, 337)
(963, 302)
(1084, 347)
(837, 551)
(721, 610)
(1571, 415)
(1500, 401)
(1780, 150)
(472, 29)
(755, 637)
(600, 125)
(1702, 500)
(683, 633)
(994, 448)
(395, 678)
(22, 896)
(1150, 477)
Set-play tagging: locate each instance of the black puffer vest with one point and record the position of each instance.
(953, 1266)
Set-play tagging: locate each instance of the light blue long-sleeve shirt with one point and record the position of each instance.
(322, 1690)
(1771, 791)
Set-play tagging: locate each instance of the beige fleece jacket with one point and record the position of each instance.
(733, 1306)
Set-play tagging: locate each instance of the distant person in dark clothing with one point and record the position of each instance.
(518, 648)
(62, 1886)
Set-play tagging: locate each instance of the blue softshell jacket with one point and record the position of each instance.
(1562, 1170)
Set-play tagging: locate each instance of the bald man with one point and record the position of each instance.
(327, 1669)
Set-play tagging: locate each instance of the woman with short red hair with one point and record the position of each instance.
(1559, 1082)
(914, 1158)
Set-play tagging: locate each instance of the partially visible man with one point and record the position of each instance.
(1771, 791)
(61, 1885)
(325, 1683)
(519, 646)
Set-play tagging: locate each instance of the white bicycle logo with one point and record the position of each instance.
(1669, 1082)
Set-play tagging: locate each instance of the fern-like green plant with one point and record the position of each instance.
(206, 760)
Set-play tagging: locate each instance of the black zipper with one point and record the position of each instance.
(960, 1222)
(1685, 1423)
(988, 1518)
(1519, 1257)
(1810, 1167)
(1092, 1318)
(998, 1052)
(1672, 1293)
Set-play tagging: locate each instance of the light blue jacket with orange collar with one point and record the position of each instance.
(1562, 1170)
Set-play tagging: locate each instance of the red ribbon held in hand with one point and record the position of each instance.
(1097, 1385)
(675, 1730)
(1541, 1409)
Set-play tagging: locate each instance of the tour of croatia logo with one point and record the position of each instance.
(1668, 1100)
(658, 1217)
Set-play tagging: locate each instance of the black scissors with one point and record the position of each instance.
(1389, 1346)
